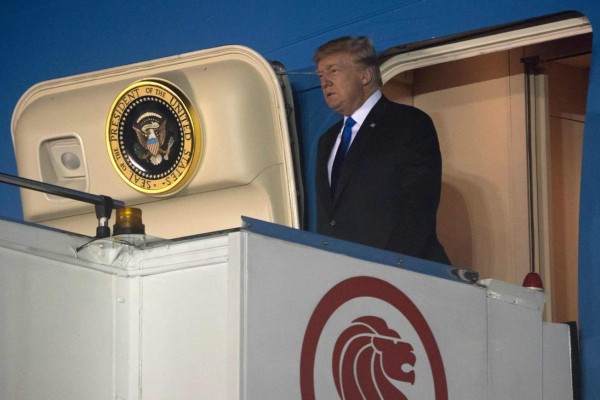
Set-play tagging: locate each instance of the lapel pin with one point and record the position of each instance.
(372, 125)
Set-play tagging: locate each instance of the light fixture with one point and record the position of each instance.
(128, 222)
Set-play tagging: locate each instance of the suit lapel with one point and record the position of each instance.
(364, 136)
(326, 145)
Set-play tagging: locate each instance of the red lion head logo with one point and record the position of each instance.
(369, 359)
(367, 356)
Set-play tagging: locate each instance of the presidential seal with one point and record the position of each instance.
(153, 137)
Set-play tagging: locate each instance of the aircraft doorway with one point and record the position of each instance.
(509, 109)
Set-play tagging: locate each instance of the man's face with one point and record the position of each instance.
(343, 82)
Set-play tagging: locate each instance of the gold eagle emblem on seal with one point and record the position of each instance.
(153, 137)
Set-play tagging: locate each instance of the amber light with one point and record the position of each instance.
(128, 221)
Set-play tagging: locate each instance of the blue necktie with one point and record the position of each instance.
(341, 152)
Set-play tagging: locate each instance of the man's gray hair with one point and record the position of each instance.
(360, 47)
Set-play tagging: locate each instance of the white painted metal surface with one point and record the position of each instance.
(241, 315)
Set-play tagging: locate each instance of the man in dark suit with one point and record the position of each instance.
(383, 190)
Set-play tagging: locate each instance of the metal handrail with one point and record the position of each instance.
(103, 204)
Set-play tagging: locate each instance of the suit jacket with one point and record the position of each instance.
(389, 186)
